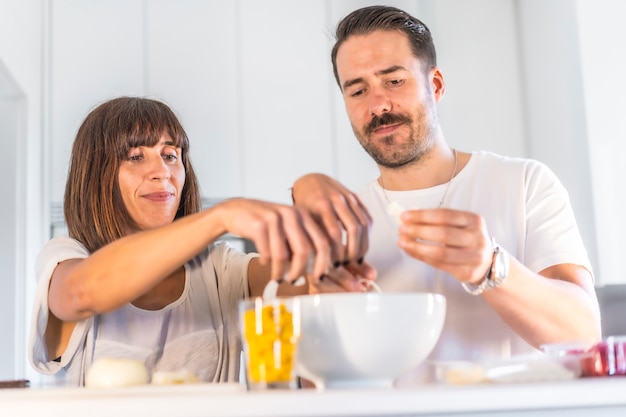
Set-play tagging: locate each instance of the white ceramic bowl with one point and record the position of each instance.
(357, 340)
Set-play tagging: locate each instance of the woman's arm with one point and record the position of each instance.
(123, 270)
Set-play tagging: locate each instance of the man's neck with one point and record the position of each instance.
(433, 168)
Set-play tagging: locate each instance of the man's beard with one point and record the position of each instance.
(403, 154)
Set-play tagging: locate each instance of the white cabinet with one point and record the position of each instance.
(249, 81)
(285, 118)
(193, 63)
(252, 83)
(96, 54)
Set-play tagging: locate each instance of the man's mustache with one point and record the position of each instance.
(386, 119)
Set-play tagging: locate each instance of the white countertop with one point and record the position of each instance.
(586, 396)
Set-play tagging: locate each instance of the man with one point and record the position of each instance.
(497, 236)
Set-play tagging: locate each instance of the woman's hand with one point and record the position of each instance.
(285, 237)
(339, 211)
(351, 278)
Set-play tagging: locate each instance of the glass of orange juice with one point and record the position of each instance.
(270, 330)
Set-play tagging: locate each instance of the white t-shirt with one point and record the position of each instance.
(199, 331)
(526, 210)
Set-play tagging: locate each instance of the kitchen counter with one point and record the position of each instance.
(582, 397)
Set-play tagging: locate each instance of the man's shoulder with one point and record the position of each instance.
(492, 161)
(496, 158)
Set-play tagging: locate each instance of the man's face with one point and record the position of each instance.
(389, 97)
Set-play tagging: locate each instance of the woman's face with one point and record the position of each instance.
(151, 181)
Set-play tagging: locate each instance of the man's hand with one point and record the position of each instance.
(339, 212)
(451, 240)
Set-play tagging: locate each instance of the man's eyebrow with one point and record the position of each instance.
(390, 70)
(350, 83)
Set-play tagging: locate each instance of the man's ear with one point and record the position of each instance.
(437, 83)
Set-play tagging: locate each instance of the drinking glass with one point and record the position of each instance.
(270, 330)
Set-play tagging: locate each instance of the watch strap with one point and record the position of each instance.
(496, 273)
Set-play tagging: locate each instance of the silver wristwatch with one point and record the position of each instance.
(497, 272)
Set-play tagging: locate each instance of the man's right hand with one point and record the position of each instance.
(339, 211)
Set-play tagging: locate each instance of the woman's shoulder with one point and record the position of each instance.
(61, 245)
(58, 249)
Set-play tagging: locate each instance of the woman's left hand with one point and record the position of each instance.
(348, 278)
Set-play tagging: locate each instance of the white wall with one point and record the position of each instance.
(554, 103)
(602, 36)
(21, 58)
(12, 124)
(478, 52)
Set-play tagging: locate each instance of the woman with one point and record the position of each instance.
(139, 275)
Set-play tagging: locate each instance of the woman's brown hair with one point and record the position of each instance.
(93, 207)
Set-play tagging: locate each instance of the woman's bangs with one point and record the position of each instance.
(148, 124)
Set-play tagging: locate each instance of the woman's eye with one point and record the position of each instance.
(134, 157)
(172, 157)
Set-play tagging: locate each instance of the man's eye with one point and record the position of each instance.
(357, 93)
(395, 82)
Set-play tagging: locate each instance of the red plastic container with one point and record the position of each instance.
(616, 355)
(605, 358)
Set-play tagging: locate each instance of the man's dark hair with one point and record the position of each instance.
(369, 19)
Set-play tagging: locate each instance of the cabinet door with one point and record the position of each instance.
(286, 111)
(95, 54)
(193, 64)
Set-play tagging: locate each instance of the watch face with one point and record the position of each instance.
(500, 265)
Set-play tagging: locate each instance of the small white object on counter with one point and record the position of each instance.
(182, 376)
(520, 369)
(116, 372)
